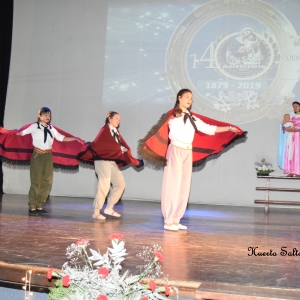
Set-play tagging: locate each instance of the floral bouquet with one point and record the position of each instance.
(99, 277)
(263, 167)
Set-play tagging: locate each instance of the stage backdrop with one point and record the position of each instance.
(241, 59)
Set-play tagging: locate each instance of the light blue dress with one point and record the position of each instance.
(281, 146)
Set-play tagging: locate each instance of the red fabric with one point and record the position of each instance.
(104, 147)
(203, 144)
(18, 149)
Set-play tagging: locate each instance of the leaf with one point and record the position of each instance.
(124, 275)
(98, 263)
(132, 279)
(96, 255)
(117, 247)
(158, 296)
(119, 260)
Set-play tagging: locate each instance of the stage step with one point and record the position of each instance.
(15, 273)
(222, 291)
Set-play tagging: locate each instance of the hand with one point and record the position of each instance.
(235, 129)
(124, 149)
(290, 129)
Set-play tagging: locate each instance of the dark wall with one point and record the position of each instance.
(6, 24)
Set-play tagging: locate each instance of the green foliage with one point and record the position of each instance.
(59, 291)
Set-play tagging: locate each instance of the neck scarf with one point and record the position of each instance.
(188, 116)
(46, 131)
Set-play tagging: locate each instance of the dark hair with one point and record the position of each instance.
(110, 115)
(44, 110)
(295, 102)
(179, 94)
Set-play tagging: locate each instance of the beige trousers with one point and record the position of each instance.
(108, 173)
(176, 184)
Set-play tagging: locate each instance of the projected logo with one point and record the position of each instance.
(238, 58)
(243, 55)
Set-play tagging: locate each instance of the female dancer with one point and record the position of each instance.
(41, 163)
(109, 151)
(292, 153)
(191, 139)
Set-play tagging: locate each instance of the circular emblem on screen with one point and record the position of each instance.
(239, 58)
(243, 55)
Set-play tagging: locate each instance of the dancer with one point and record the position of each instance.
(109, 151)
(41, 163)
(179, 139)
(292, 152)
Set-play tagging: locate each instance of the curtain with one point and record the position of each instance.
(6, 24)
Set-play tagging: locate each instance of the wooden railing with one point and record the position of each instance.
(267, 188)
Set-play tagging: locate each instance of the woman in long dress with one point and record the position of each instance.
(292, 151)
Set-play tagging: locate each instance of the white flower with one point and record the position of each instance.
(263, 167)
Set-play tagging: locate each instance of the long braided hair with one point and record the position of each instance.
(178, 110)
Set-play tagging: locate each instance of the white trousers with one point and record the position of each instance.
(176, 183)
(108, 173)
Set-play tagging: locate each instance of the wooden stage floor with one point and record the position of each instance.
(214, 249)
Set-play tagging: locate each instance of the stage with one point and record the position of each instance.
(213, 259)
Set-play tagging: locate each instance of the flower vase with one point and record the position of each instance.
(262, 174)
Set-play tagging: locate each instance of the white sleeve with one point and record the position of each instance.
(57, 135)
(205, 128)
(30, 129)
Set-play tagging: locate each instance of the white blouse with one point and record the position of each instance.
(185, 132)
(38, 136)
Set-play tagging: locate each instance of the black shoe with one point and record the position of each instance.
(33, 212)
(41, 211)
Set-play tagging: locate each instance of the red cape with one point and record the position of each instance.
(154, 146)
(104, 147)
(17, 149)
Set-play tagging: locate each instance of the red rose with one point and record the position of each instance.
(66, 280)
(145, 298)
(49, 274)
(103, 272)
(158, 256)
(82, 242)
(167, 290)
(116, 237)
(102, 297)
(152, 285)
